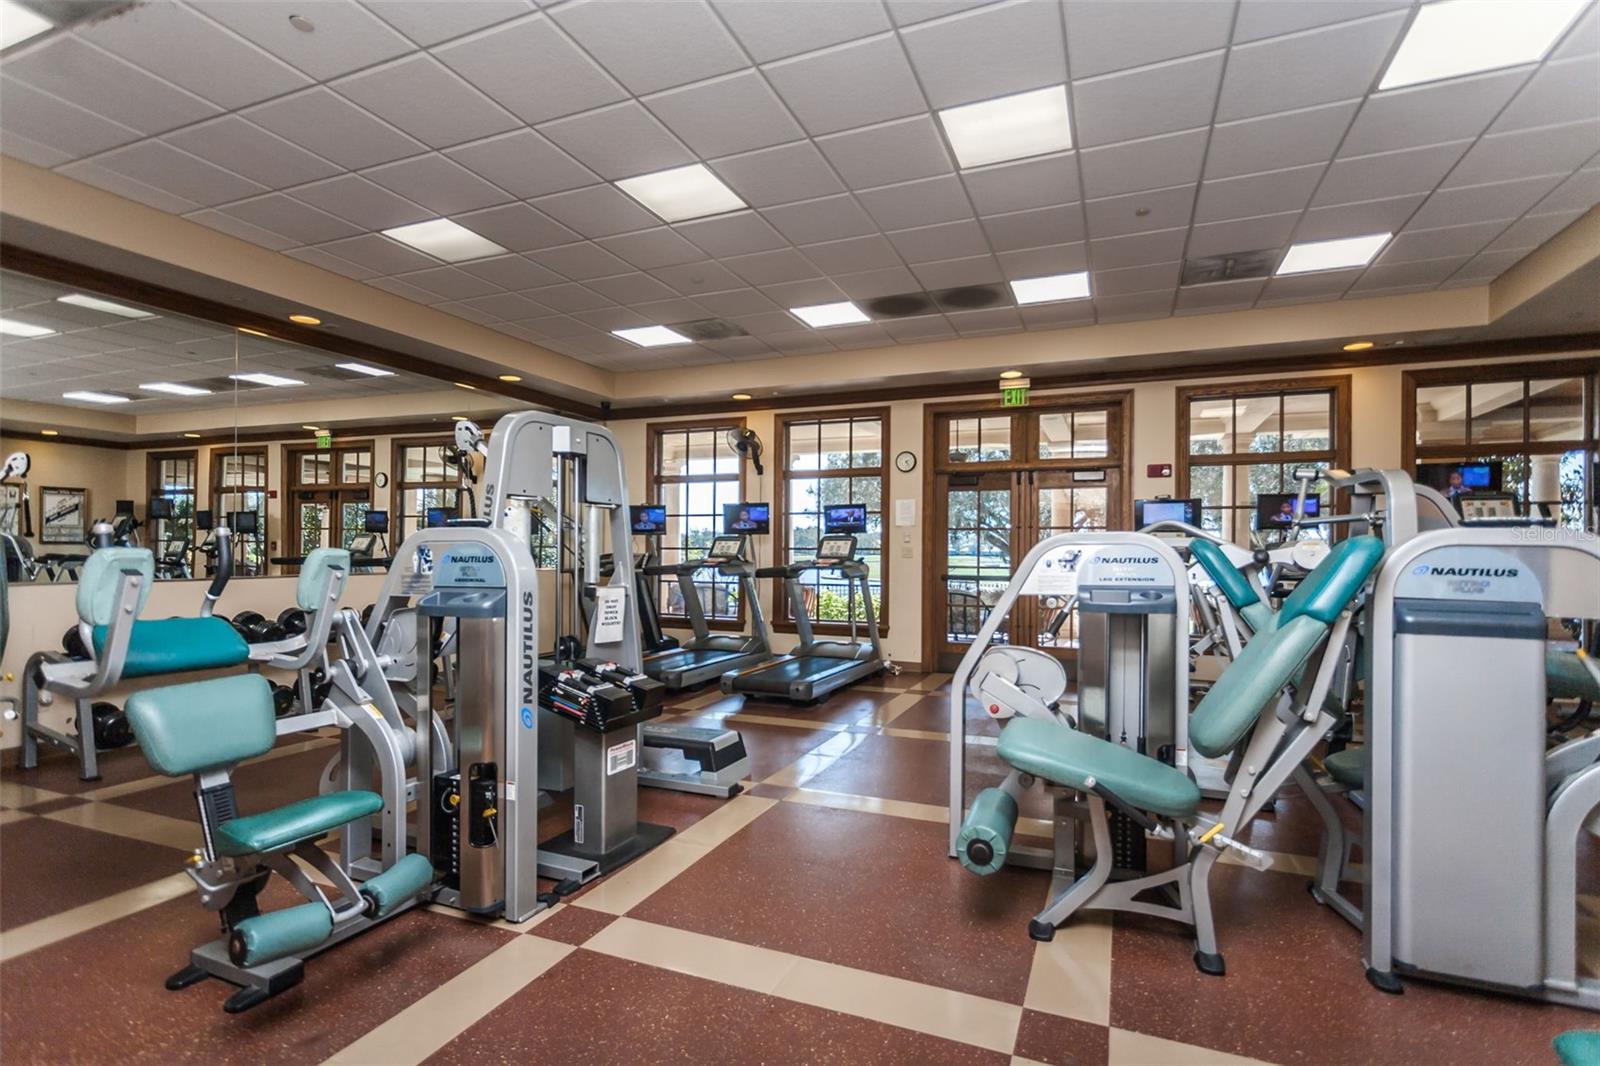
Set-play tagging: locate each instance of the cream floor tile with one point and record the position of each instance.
(1138, 1049)
(128, 822)
(817, 760)
(630, 886)
(726, 820)
(703, 700)
(914, 734)
(931, 682)
(493, 923)
(16, 794)
(845, 801)
(923, 1008)
(1283, 862)
(46, 931)
(893, 709)
(8, 816)
(698, 955)
(789, 723)
(443, 1014)
(1071, 975)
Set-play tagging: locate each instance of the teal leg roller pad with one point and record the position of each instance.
(281, 933)
(1580, 1047)
(397, 884)
(987, 832)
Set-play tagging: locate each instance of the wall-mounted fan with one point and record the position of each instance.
(747, 445)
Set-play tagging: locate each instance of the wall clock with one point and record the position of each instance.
(905, 462)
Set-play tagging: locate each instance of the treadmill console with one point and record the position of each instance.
(835, 549)
(724, 550)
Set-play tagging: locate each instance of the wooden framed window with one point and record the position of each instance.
(831, 458)
(1236, 441)
(423, 481)
(174, 476)
(329, 492)
(694, 473)
(1536, 426)
(239, 484)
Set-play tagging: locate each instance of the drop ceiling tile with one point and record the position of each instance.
(1176, 95)
(1418, 244)
(849, 85)
(1242, 235)
(1321, 284)
(947, 240)
(1531, 231)
(730, 114)
(1564, 91)
(770, 322)
(1058, 314)
(631, 288)
(29, 151)
(424, 98)
(740, 347)
(104, 85)
(1034, 229)
(1419, 272)
(334, 128)
(734, 234)
(1578, 193)
(1388, 174)
(235, 227)
(1133, 307)
(596, 211)
(850, 338)
(517, 227)
(430, 22)
(1031, 183)
(471, 314)
(1020, 43)
(498, 60)
(910, 12)
(988, 320)
(1278, 141)
(568, 297)
(806, 293)
(1043, 262)
(379, 254)
(869, 284)
(189, 50)
(64, 128)
(778, 175)
(1103, 37)
(1530, 152)
(1273, 18)
(346, 38)
(918, 328)
(1257, 194)
(775, 31)
(735, 302)
(404, 289)
(806, 342)
(580, 261)
(892, 152)
(692, 278)
(1501, 200)
(1222, 296)
(552, 327)
(1149, 163)
(1118, 215)
(649, 47)
(1441, 111)
(917, 203)
(676, 309)
(619, 141)
(1256, 82)
(1139, 249)
(829, 218)
(769, 268)
(1351, 220)
(1121, 282)
(439, 184)
(524, 164)
(358, 200)
(948, 273)
(251, 152)
(651, 248)
(1582, 39)
(448, 283)
(512, 272)
(851, 255)
(610, 318)
(280, 214)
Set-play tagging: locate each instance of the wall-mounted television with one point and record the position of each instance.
(746, 518)
(647, 519)
(845, 518)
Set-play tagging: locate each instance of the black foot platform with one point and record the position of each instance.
(647, 836)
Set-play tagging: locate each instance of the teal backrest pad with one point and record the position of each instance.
(1232, 705)
(97, 585)
(206, 725)
(315, 574)
(1329, 588)
(1240, 590)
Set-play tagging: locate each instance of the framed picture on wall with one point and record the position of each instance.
(10, 509)
(63, 515)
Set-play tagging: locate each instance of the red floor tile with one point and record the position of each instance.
(258, 786)
(1062, 1041)
(50, 867)
(770, 747)
(572, 925)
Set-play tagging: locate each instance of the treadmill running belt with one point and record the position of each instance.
(681, 659)
(799, 668)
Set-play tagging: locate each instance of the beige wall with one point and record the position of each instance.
(103, 471)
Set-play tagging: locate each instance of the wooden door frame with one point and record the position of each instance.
(291, 460)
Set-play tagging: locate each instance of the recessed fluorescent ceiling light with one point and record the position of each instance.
(1050, 288)
(682, 193)
(266, 379)
(23, 329)
(18, 23)
(818, 316)
(362, 368)
(1332, 255)
(1456, 37)
(651, 336)
(445, 240)
(174, 389)
(1012, 127)
(95, 397)
(94, 303)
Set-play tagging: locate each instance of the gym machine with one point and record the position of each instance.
(707, 655)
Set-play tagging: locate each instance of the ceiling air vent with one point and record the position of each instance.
(709, 329)
(967, 297)
(907, 303)
(1230, 266)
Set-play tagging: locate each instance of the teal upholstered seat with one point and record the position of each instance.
(1348, 767)
(1579, 1047)
(1065, 756)
(288, 825)
(204, 725)
(1566, 678)
(174, 645)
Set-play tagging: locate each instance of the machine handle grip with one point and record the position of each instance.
(224, 543)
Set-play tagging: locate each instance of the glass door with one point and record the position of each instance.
(980, 545)
(1064, 501)
(313, 521)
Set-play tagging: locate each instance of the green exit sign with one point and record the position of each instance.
(1014, 396)
(324, 440)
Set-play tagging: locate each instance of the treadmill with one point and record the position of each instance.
(817, 667)
(709, 655)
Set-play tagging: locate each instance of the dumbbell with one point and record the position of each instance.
(294, 621)
(283, 698)
(72, 644)
(321, 685)
(110, 725)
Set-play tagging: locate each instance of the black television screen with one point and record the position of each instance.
(647, 519)
(124, 507)
(244, 522)
(1149, 512)
(1459, 479)
(202, 520)
(845, 518)
(160, 507)
(376, 522)
(440, 516)
(1275, 510)
(746, 518)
